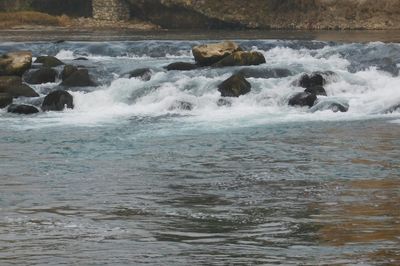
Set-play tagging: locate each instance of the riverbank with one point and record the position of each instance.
(54, 33)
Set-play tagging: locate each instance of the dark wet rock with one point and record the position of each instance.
(81, 59)
(182, 66)
(209, 54)
(317, 90)
(140, 73)
(241, 58)
(303, 99)
(182, 105)
(67, 71)
(335, 106)
(5, 99)
(265, 73)
(40, 76)
(48, 61)
(224, 102)
(392, 109)
(234, 86)
(57, 101)
(59, 41)
(14, 86)
(15, 63)
(313, 80)
(22, 109)
(79, 78)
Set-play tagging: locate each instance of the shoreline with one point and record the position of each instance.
(66, 34)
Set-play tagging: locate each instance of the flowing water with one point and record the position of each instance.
(131, 176)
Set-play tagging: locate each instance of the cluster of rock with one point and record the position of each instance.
(229, 54)
(17, 72)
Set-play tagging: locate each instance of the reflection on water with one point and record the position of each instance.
(365, 212)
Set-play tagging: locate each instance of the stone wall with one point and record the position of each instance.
(112, 10)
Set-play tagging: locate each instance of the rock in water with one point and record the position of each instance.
(67, 71)
(182, 105)
(40, 76)
(22, 109)
(317, 90)
(141, 73)
(48, 61)
(79, 78)
(234, 86)
(15, 63)
(308, 81)
(5, 99)
(265, 73)
(182, 66)
(57, 101)
(241, 58)
(209, 54)
(303, 99)
(14, 86)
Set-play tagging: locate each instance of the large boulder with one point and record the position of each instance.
(57, 101)
(22, 109)
(182, 66)
(234, 86)
(15, 63)
(78, 78)
(140, 73)
(67, 71)
(40, 76)
(303, 99)
(209, 54)
(241, 58)
(49, 61)
(5, 99)
(14, 86)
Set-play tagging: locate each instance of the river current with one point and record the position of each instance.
(132, 177)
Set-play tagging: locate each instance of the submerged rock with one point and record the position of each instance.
(48, 61)
(58, 101)
(392, 109)
(234, 86)
(140, 73)
(182, 66)
(265, 73)
(335, 106)
(13, 85)
(224, 102)
(241, 58)
(209, 54)
(15, 63)
(182, 105)
(5, 99)
(317, 90)
(78, 78)
(303, 99)
(43, 75)
(22, 109)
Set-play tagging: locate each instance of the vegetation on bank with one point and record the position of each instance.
(31, 18)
